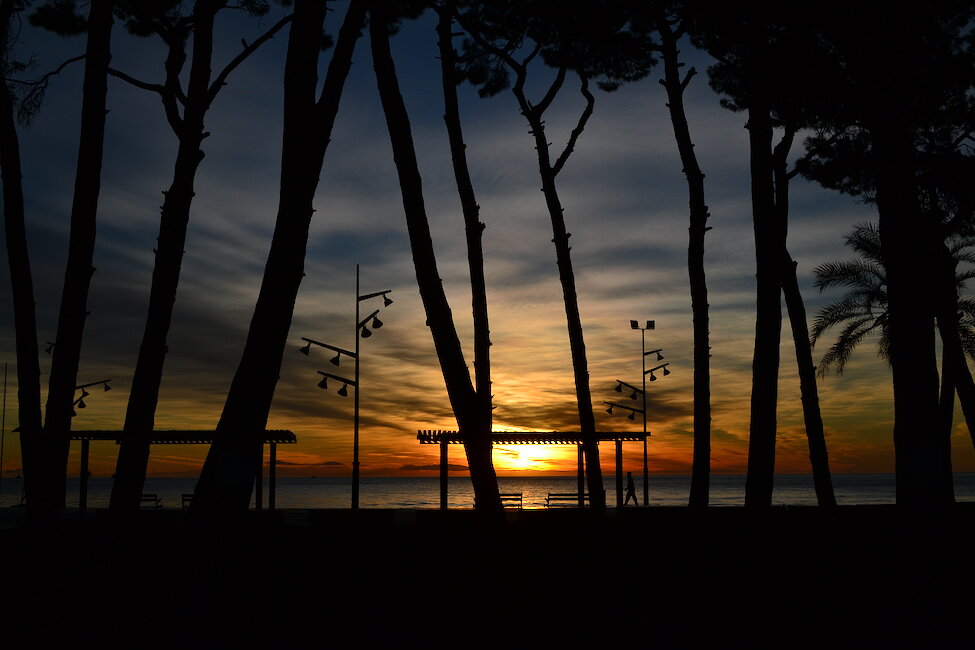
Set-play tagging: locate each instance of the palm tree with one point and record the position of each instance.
(863, 310)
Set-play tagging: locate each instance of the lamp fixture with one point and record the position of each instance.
(631, 409)
(387, 301)
(306, 349)
(651, 371)
(344, 390)
(363, 330)
(620, 384)
(660, 357)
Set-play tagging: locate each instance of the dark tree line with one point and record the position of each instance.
(877, 104)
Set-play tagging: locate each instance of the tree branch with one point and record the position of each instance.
(687, 78)
(502, 53)
(156, 88)
(576, 132)
(221, 79)
(553, 90)
(44, 79)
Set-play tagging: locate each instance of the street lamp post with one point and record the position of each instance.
(644, 353)
(643, 359)
(83, 472)
(362, 330)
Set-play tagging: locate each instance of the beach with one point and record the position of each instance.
(862, 576)
(424, 492)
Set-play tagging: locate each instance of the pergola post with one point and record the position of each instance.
(646, 475)
(582, 477)
(443, 470)
(83, 477)
(259, 483)
(619, 473)
(272, 475)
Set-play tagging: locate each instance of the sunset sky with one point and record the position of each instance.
(625, 204)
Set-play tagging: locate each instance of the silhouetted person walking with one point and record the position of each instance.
(630, 490)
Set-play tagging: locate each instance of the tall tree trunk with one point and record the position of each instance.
(231, 466)
(133, 458)
(769, 244)
(577, 343)
(463, 400)
(923, 455)
(18, 259)
(473, 226)
(809, 391)
(130, 472)
(965, 387)
(955, 375)
(815, 433)
(548, 171)
(672, 82)
(79, 268)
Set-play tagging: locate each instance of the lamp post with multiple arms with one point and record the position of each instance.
(83, 478)
(362, 331)
(80, 402)
(642, 392)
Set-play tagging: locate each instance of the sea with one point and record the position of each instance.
(420, 493)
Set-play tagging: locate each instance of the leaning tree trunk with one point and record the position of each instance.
(229, 472)
(473, 226)
(22, 284)
(577, 343)
(463, 400)
(133, 458)
(769, 243)
(548, 171)
(808, 389)
(815, 433)
(672, 82)
(955, 375)
(79, 268)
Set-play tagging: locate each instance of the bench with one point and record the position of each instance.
(512, 498)
(564, 498)
(187, 499)
(152, 499)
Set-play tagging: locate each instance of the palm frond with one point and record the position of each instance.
(837, 314)
(883, 346)
(851, 273)
(846, 343)
(864, 239)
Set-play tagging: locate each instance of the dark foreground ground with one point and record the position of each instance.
(862, 577)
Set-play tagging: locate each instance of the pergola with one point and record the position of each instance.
(182, 437)
(445, 438)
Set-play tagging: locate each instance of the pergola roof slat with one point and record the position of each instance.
(429, 437)
(183, 437)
